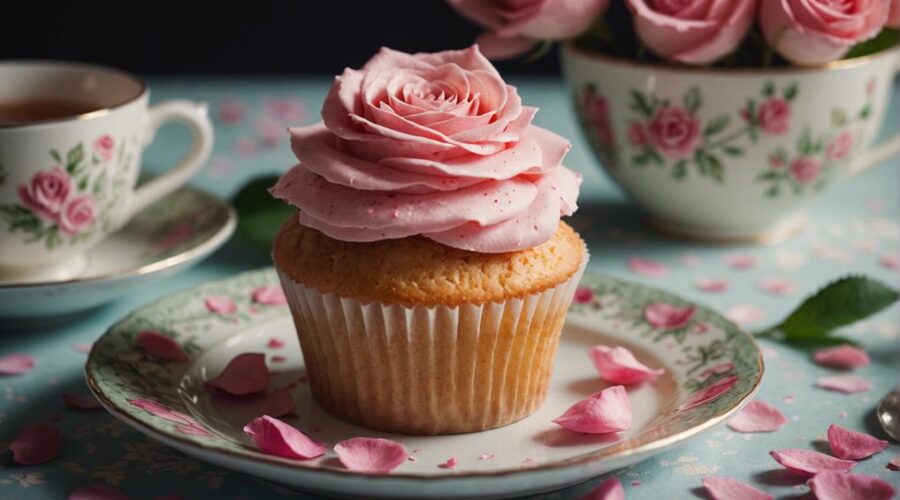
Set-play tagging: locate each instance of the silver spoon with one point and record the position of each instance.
(889, 413)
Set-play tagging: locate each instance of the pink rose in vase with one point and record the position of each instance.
(840, 146)
(78, 214)
(104, 147)
(46, 193)
(805, 169)
(775, 116)
(812, 32)
(674, 132)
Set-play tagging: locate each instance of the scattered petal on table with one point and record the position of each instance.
(852, 445)
(82, 402)
(16, 364)
(809, 463)
(375, 455)
(245, 374)
(450, 463)
(611, 489)
(758, 416)
(845, 357)
(711, 285)
(606, 411)
(231, 111)
(285, 108)
(277, 403)
(271, 132)
(220, 304)
(894, 464)
(845, 486)
(269, 295)
(274, 437)
(740, 261)
(162, 346)
(890, 261)
(667, 316)
(725, 488)
(246, 147)
(646, 267)
(844, 383)
(776, 286)
(745, 314)
(618, 365)
(35, 444)
(715, 390)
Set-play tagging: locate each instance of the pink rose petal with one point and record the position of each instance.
(711, 285)
(245, 374)
(894, 464)
(606, 411)
(776, 286)
(611, 489)
(231, 111)
(739, 261)
(161, 411)
(842, 486)
(713, 391)
(757, 416)
(844, 383)
(274, 343)
(618, 365)
(845, 357)
(269, 295)
(450, 463)
(220, 304)
(646, 267)
(890, 261)
(16, 364)
(82, 348)
(246, 147)
(35, 444)
(271, 132)
(162, 346)
(374, 455)
(285, 108)
(725, 488)
(852, 445)
(274, 437)
(809, 463)
(745, 314)
(82, 402)
(277, 403)
(667, 316)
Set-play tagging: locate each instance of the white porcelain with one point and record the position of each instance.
(744, 175)
(66, 184)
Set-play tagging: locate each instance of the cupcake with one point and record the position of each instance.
(427, 270)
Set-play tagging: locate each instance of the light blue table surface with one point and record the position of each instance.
(99, 450)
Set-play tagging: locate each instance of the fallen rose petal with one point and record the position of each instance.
(844, 383)
(220, 304)
(725, 488)
(745, 314)
(809, 463)
(245, 374)
(843, 486)
(776, 286)
(82, 402)
(852, 445)
(285, 108)
(271, 132)
(274, 343)
(606, 411)
(894, 464)
(611, 489)
(160, 410)
(274, 437)
(845, 357)
(757, 416)
(375, 455)
(715, 390)
(192, 430)
(646, 267)
(246, 147)
(162, 346)
(277, 403)
(739, 261)
(711, 285)
(450, 463)
(269, 295)
(16, 364)
(231, 111)
(890, 261)
(35, 444)
(619, 366)
(667, 316)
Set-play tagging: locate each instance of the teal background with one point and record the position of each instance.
(99, 450)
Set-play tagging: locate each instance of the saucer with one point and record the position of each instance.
(175, 232)
(711, 369)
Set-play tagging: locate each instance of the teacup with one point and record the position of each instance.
(731, 155)
(71, 138)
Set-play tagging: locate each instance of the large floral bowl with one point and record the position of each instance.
(731, 155)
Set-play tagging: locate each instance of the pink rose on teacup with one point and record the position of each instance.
(77, 214)
(515, 26)
(810, 32)
(775, 116)
(46, 193)
(805, 169)
(840, 146)
(637, 135)
(674, 132)
(597, 109)
(692, 31)
(104, 146)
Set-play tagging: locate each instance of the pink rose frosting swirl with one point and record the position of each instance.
(436, 145)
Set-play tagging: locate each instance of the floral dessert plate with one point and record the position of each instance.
(711, 369)
(177, 231)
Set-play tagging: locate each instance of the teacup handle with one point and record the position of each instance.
(195, 116)
(881, 152)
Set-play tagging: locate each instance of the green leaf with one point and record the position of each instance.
(692, 99)
(791, 91)
(733, 151)
(865, 112)
(640, 104)
(769, 89)
(716, 125)
(55, 154)
(679, 171)
(840, 303)
(74, 157)
(838, 117)
(885, 40)
(772, 192)
(804, 144)
(259, 215)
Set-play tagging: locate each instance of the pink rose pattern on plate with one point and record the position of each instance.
(70, 198)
